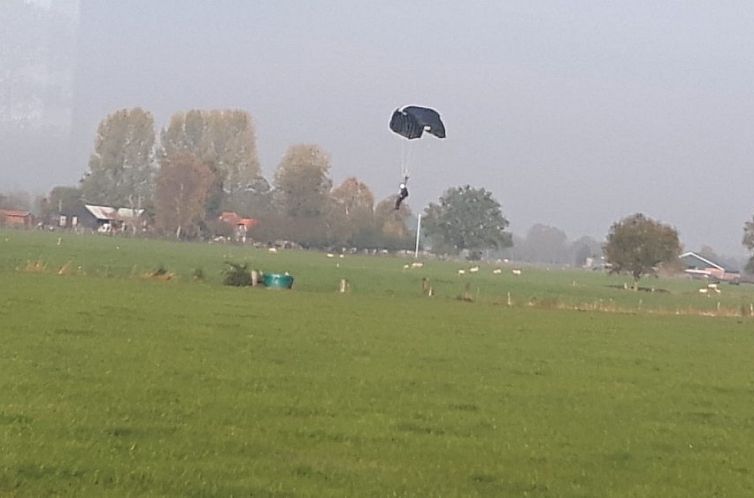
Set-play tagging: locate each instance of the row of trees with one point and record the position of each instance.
(205, 162)
(201, 163)
(550, 245)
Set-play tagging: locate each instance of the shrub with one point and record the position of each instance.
(159, 271)
(198, 274)
(237, 275)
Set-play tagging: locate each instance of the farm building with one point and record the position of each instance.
(241, 226)
(108, 219)
(16, 218)
(698, 266)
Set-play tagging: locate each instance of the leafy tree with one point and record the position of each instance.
(233, 141)
(355, 198)
(351, 215)
(546, 244)
(183, 185)
(256, 200)
(185, 133)
(66, 200)
(61, 200)
(466, 218)
(302, 188)
(392, 224)
(121, 169)
(583, 248)
(637, 245)
(225, 141)
(748, 241)
(302, 181)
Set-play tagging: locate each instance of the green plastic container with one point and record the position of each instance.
(277, 281)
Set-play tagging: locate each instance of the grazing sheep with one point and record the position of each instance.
(330, 255)
(473, 269)
(462, 272)
(417, 265)
(516, 271)
(497, 271)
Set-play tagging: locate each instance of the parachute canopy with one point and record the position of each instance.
(412, 121)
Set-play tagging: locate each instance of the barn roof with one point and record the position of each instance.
(16, 213)
(128, 213)
(111, 214)
(102, 212)
(694, 256)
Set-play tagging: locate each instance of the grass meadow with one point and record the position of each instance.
(549, 383)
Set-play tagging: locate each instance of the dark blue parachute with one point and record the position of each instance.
(412, 121)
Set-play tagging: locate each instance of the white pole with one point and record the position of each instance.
(418, 234)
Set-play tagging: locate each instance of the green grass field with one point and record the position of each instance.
(116, 384)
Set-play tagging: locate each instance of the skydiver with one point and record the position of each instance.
(402, 193)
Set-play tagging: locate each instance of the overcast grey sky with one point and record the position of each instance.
(573, 113)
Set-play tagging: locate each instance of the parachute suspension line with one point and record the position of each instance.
(405, 158)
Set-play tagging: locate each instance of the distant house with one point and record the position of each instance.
(16, 218)
(698, 266)
(241, 226)
(107, 219)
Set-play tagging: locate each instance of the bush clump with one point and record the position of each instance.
(237, 275)
(159, 273)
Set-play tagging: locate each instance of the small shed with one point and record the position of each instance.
(16, 218)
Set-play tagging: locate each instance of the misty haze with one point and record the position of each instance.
(573, 114)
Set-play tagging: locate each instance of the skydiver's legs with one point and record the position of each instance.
(402, 193)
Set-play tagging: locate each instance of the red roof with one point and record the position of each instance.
(249, 223)
(14, 213)
(233, 218)
(230, 217)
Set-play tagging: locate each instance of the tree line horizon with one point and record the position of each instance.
(205, 162)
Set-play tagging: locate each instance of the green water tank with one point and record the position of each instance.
(277, 281)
